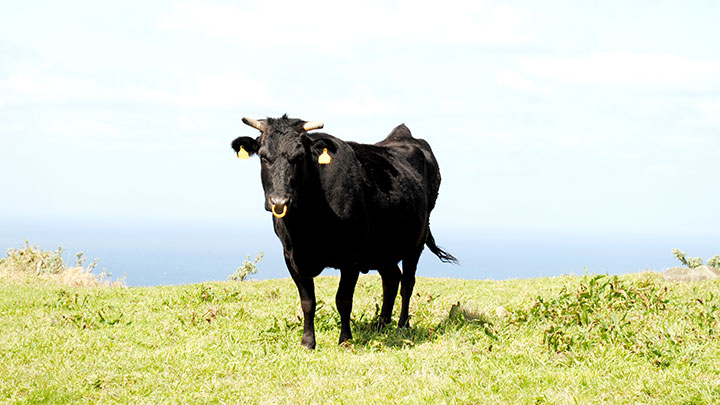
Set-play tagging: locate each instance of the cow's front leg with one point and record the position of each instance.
(306, 289)
(344, 300)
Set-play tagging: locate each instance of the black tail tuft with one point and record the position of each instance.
(444, 256)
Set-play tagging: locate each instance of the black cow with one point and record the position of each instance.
(351, 206)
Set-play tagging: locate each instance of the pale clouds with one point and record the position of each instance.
(324, 24)
(37, 83)
(360, 104)
(43, 84)
(708, 114)
(230, 90)
(517, 81)
(621, 70)
(624, 68)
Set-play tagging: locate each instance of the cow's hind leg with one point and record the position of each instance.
(408, 283)
(306, 289)
(344, 300)
(390, 280)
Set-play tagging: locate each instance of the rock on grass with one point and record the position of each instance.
(699, 273)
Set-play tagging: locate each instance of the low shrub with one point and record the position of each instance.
(31, 261)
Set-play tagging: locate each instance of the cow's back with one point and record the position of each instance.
(420, 156)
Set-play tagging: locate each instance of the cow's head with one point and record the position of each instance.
(283, 147)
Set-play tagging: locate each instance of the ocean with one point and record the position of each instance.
(172, 253)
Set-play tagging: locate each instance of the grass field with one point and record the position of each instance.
(557, 340)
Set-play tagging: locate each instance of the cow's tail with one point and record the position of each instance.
(444, 256)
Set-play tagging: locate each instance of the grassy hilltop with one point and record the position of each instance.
(567, 339)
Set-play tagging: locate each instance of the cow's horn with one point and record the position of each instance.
(309, 126)
(260, 126)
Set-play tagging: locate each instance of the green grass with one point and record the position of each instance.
(560, 340)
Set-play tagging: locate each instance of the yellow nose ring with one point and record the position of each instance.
(279, 215)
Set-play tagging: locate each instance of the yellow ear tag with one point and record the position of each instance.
(324, 158)
(242, 153)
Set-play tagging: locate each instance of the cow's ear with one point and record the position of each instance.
(319, 144)
(245, 144)
(338, 176)
(323, 150)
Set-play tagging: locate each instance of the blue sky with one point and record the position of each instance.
(597, 116)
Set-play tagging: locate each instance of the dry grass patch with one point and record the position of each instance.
(30, 263)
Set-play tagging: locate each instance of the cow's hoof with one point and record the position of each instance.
(308, 343)
(344, 338)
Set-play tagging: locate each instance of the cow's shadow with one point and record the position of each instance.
(372, 334)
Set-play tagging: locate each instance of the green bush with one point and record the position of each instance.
(694, 262)
(246, 269)
(602, 310)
